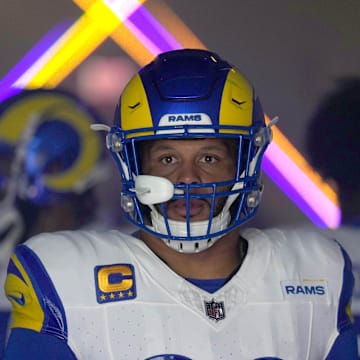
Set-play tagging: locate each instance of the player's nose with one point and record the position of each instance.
(188, 173)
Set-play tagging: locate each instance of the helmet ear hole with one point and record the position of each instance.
(127, 204)
(253, 199)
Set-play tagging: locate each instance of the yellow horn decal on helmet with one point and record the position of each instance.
(134, 108)
(237, 102)
(15, 118)
(89, 148)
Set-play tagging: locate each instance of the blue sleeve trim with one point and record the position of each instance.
(344, 320)
(345, 347)
(28, 344)
(4, 323)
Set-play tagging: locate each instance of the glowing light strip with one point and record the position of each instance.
(146, 33)
(174, 25)
(122, 8)
(300, 161)
(299, 188)
(7, 84)
(293, 188)
(69, 50)
(142, 24)
(150, 32)
(121, 35)
(317, 202)
(73, 48)
(48, 69)
(109, 24)
(304, 186)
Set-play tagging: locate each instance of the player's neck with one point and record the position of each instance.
(219, 261)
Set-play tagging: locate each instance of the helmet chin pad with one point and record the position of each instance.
(196, 235)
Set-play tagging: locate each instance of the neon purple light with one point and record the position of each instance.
(30, 58)
(280, 168)
(299, 188)
(150, 32)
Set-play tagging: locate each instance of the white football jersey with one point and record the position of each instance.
(111, 297)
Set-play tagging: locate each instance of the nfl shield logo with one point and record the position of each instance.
(215, 310)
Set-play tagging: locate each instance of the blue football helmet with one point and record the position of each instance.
(48, 153)
(47, 135)
(185, 94)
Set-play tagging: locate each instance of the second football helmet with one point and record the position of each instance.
(48, 153)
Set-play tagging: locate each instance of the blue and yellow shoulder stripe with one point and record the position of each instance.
(35, 302)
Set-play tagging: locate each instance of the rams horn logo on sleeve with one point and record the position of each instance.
(114, 283)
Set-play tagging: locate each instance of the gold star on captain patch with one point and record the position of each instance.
(103, 297)
(121, 294)
(112, 296)
(130, 293)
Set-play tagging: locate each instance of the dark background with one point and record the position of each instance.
(291, 50)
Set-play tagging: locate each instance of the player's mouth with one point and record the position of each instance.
(198, 209)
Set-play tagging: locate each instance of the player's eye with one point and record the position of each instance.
(166, 160)
(208, 159)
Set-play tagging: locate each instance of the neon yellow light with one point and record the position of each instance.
(122, 36)
(141, 55)
(79, 41)
(94, 27)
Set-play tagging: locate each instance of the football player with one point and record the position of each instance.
(189, 137)
(50, 163)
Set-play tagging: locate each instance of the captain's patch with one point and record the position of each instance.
(114, 283)
(305, 289)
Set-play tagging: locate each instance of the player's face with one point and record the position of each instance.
(194, 161)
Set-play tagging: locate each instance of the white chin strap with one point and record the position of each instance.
(198, 228)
